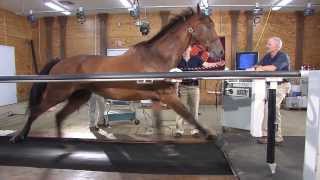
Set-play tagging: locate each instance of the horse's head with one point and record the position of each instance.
(203, 31)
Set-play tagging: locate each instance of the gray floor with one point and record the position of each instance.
(210, 117)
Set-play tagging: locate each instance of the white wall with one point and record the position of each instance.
(8, 91)
(115, 52)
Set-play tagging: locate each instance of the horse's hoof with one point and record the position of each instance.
(17, 138)
(210, 137)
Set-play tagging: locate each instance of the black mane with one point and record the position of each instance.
(182, 17)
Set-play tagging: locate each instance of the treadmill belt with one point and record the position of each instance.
(81, 154)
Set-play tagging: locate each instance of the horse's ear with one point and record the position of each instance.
(198, 9)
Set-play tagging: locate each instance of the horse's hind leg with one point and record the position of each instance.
(34, 113)
(75, 101)
(173, 101)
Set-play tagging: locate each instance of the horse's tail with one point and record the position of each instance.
(37, 89)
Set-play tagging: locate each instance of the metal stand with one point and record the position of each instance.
(272, 96)
(311, 169)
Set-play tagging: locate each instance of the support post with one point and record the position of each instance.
(311, 168)
(272, 96)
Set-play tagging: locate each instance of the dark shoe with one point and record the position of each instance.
(196, 135)
(177, 135)
(264, 140)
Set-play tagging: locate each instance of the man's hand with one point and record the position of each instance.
(259, 68)
(221, 63)
(209, 65)
(213, 65)
(266, 68)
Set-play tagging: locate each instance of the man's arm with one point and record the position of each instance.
(281, 62)
(266, 68)
(215, 64)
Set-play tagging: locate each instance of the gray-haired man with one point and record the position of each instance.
(275, 60)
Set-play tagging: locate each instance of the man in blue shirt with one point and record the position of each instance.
(189, 89)
(275, 60)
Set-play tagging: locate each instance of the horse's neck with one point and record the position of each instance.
(171, 46)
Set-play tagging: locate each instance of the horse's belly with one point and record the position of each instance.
(127, 94)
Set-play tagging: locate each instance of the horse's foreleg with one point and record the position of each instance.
(157, 118)
(75, 101)
(173, 101)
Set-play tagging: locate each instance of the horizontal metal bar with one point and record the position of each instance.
(174, 6)
(157, 76)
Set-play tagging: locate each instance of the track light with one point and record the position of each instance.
(134, 11)
(309, 11)
(204, 7)
(144, 27)
(80, 14)
(31, 17)
(257, 12)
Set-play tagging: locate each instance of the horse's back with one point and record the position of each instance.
(80, 64)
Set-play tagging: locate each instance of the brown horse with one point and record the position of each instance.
(159, 54)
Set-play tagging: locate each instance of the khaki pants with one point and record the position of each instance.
(96, 110)
(282, 90)
(190, 97)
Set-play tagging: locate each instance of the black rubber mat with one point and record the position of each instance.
(200, 158)
(248, 158)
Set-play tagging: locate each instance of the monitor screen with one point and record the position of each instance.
(246, 60)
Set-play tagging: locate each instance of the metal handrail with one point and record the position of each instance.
(149, 76)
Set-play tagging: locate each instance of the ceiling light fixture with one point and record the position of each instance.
(309, 10)
(281, 4)
(31, 17)
(126, 3)
(204, 7)
(55, 5)
(257, 12)
(81, 17)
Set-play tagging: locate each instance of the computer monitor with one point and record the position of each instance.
(246, 60)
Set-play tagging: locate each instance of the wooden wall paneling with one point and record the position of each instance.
(80, 38)
(63, 29)
(164, 15)
(103, 21)
(3, 30)
(234, 35)
(249, 19)
(299, 39)
(122, 31)
(49, 22)
(311, 44)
